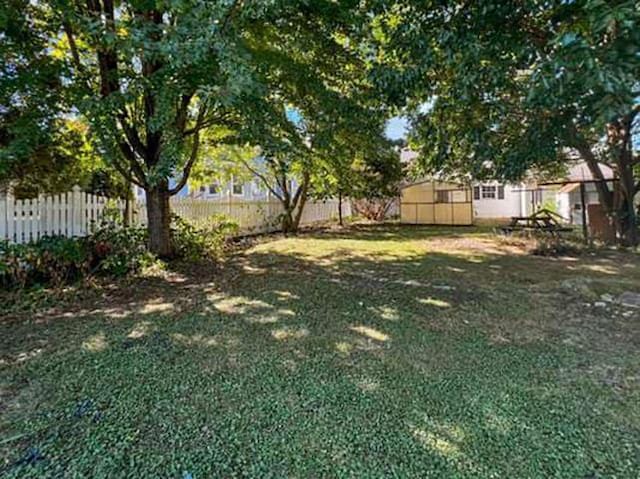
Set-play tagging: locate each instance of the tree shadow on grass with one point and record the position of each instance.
(288, 364)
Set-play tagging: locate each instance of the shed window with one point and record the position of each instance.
(501, 192)
(476, 192)
(442, 197)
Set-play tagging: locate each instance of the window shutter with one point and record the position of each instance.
(476, 192)
(501, 192)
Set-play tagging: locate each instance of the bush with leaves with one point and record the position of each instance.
(113, 249)
(15, 264)
(51, 259)
(118, 249)
(60, 259)
(204, 240)
(374, 209)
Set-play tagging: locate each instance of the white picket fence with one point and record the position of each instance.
(252, 216)
(75, 214)
(68, 214)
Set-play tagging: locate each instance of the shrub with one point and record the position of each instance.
(14, 264)
(375, 209)
(113, 249)
(203, 241)
(120, 250)
(53, 259)
(59, 259)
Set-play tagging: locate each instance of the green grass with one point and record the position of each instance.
(371, 352)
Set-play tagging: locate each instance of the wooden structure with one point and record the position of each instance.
(543, 220)
(436, 203)
(602, 229)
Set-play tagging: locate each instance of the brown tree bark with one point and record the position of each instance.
(300, 200)
(293, 206)
(159, 220)
(620, 145)
(619, 203)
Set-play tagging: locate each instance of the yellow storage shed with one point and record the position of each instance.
(436, 203)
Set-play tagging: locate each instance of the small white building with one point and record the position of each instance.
(568, 197)
(493, 200)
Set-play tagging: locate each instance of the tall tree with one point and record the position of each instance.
(30, 90)
(500, 87)
(317, 103)
(151, 77)
(361, 165)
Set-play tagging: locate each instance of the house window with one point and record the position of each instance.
(213, 189)
(442, 197)
(489, 192)
(237, 187)
(257, 187)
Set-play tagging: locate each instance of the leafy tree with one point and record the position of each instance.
(499, 88)
(30, 99)
(286, 161)
(66, 159)
(151, 77)
(318, 104)
(312, 148)
(287, 176)
(360, 167)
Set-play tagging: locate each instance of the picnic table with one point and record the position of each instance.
(543, 220)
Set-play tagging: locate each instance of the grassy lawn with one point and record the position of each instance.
(372, 352)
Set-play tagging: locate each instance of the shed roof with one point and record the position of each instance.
(581, 172)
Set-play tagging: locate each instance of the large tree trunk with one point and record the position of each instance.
(340, 221)
(617, 204)
(287, 220)
(627, 220)
(300, 200)
(627, 187)
(159, 220)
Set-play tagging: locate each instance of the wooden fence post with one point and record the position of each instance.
(76, 211)
(41, 223)
(3, 215)
(11, 220)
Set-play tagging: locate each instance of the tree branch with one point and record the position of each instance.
(302, 189)
(134, 166)
(263, 179)
(126, 174)
(301, 195)
(193, 156)
(72, 45)
(233, 11)
(132, 135)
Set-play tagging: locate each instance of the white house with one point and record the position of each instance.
(246, 190)
(239, 190)
(493, 200)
